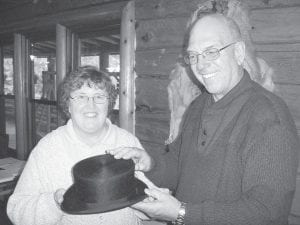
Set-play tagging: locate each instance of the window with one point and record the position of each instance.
(43, 87)
(9, 101)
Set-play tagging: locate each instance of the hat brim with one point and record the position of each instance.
(72, 204)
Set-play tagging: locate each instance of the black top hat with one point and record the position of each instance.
(101, 184)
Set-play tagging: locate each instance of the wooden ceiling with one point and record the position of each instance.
(8, 4)
(98, 33)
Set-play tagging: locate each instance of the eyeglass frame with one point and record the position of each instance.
(187, 60)
(84, 99)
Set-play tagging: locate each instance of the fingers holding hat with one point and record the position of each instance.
(159, 205)
(141, 176)
(59, 196)
(141, 158)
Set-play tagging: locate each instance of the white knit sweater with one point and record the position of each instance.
(49, 168)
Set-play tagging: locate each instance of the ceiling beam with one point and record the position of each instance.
(107, 39)
(98, 12)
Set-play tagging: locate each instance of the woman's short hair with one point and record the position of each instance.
(86, 75)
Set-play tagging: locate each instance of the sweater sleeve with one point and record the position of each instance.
(31, 204)
(165, 171)
(268, 185)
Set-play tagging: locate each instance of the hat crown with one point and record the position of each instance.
(103, 166)
(102, 183)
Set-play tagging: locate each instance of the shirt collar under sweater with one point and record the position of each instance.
(215, 116)
(75, 139)
(244, 84)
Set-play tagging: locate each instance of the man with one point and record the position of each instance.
(235, 160)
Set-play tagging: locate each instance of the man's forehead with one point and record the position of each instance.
(208, 32)
(200, 45)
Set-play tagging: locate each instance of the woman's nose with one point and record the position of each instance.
(90, 101)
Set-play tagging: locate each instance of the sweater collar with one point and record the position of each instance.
(73, 136)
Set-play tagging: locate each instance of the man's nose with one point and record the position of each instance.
(202, 63)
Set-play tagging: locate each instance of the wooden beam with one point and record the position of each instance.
(161, 33)
(107, 39)
(79, 52)
(30, 91)
(99, 12)
(61, 53)
(152, 127)
(28, 10)
(61, 60)
(157, 62)
(276, 25)
(147, 91)
(112, 29)
(104, 60)
(20, 79)
(48, 45)
(74, 48)
(127, 60)
(2, 100)
(154, 9)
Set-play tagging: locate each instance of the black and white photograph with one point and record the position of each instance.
(149, 112)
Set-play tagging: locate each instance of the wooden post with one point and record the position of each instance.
(2, 100)
(29, 90)
(75, 51)
(104, 60)
(127, 61)
(79, 52)
(61, 52)
(20, 88)
(31, 108)
(62, 67)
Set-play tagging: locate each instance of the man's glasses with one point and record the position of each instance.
(209, 55)
(84, 99)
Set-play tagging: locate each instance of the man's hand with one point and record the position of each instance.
(143, 161)
(159, 205)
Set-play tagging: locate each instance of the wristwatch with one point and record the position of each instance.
(181, 213)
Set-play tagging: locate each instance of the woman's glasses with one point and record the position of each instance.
(84, 99)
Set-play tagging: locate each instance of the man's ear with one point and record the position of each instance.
(240, 52)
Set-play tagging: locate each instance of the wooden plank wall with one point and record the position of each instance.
(160, 31)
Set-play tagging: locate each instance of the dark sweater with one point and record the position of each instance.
(235, 160)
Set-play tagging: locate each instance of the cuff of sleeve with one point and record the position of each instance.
(155, 174)
(49, 211)
(193, 214)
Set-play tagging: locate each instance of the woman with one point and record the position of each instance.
(87, 96)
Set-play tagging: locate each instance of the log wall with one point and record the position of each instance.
(160, 32)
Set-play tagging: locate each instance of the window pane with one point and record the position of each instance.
(45, 119)
(8, 70)
(103, 52)
(43, 88)
(91, 61)
(9, 101)
(114, 63)
(10, 122)
(43, 70)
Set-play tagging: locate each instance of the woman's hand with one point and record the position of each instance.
(59, 196)
(159, 205)
(143, 161)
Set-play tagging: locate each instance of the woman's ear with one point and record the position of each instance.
(240, 52)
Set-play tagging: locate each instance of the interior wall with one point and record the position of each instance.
(160, 32)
